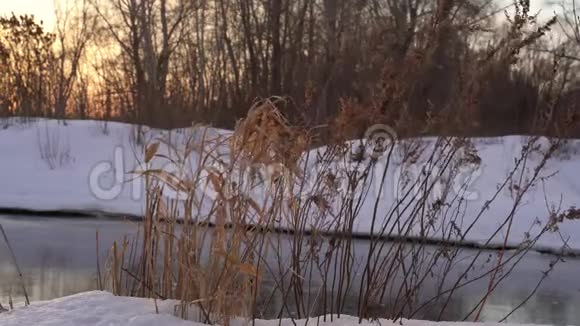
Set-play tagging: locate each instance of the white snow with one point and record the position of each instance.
(90, 171)
(93, 308)
(103, 309)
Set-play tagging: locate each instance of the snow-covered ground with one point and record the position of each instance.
(48, 166)
(102, 309)
(95, 309)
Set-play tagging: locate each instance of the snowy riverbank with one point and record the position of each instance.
(102, 309)
(83, 166)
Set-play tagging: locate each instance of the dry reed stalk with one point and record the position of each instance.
(99, 279)
(15, 262)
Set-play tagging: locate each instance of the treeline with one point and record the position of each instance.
(423, 66)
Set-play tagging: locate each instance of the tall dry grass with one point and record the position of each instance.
(252, 209)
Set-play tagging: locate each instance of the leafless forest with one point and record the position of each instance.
(469, 67)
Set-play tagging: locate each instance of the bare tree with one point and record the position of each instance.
(26, 66)
(74, 30)
(147, 32)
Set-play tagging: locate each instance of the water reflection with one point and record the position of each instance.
(58, 258)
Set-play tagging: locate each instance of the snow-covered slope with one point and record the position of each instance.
(102, 309)
(46, 165)
(81, 166)
(29, 182)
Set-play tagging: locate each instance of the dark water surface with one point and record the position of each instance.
(58, 258)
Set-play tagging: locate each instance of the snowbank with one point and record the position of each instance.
(85, 166)
(103, 309)
(93, 308)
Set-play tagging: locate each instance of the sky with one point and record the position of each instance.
(41, 9)
(44, 9)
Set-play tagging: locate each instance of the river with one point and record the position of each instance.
(58, 257)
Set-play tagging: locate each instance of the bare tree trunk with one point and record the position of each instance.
(276, 62)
